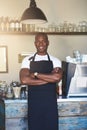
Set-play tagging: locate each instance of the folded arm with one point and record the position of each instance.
(28, 78)
(54, 76)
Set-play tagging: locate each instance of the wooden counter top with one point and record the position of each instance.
(72, 114)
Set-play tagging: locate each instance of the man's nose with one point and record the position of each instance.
(41, 43)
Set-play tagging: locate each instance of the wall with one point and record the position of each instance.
(61, 10)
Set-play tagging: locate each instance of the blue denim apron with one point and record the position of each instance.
(42, 100)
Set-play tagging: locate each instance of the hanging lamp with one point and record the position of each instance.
(33, 15)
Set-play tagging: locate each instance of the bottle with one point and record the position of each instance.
(23, 92)
(17, 25)
(2, 24)
(12, 25)
(7, 24)
(20, 25)
(24, 27)
(3, 88)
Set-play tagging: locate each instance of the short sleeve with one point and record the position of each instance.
(25, 63)
(56, 62)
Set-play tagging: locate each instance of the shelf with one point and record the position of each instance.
(49, 33)
(67, 33)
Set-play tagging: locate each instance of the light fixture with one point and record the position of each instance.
(33, 15)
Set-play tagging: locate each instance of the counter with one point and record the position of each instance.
(72, 114)
(13, 115)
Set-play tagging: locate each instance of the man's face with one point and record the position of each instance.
(41, 44)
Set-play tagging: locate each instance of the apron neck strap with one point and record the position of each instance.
(35, 55)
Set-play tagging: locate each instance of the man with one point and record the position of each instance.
(41, 72)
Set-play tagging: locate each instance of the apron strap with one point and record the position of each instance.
(33, 57)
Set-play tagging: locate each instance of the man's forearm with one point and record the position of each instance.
(53, 77)
(32, 81)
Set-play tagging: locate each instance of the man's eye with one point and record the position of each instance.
(40, 42)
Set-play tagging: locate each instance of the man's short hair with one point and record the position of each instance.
(41, 34)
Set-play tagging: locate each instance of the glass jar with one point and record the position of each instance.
(3, 88)
(16, 88)
(9, 92)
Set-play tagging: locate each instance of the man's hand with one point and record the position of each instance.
(57, 70)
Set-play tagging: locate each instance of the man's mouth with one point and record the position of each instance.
(41, 47)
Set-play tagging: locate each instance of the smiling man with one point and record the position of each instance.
(41, 72)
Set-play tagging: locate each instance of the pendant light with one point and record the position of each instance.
(33, 15)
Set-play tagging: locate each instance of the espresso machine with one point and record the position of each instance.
(74, 82)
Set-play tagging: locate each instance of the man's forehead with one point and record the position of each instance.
(41, 37)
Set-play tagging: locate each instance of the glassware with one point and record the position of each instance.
(17, 25)
(71, 27)
(3, 88)
(65, 26)
(9, 92)
(23, 94)
(32, 27)
(16, 89)
(61, 27)
(83, 26)
(52, 27)
(77, 55)
(2, 24)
